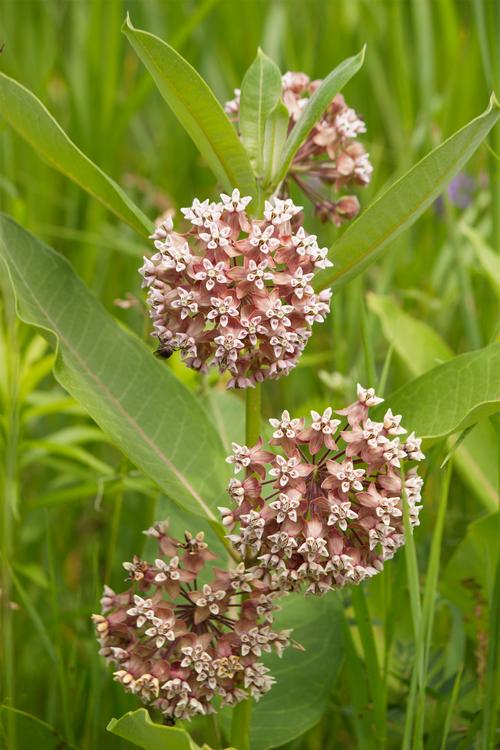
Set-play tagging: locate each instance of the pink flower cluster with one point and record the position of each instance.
(233, 292)
(177, 644)
(325, 507)
(331, 153)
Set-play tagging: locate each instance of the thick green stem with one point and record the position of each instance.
(252, 425)
(242, 713)
(240, 728)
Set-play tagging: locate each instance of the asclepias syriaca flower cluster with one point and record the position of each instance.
(236, 293)
(324, 508)
(320, 508)
(179, 645)
(322, 504)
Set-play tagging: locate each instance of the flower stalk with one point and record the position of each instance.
(242, 713)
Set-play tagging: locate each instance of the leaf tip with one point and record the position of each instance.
(127, 24)
(494, 103)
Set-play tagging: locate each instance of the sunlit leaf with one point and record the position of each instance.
(314, 109)
(452, 396)
(260, 93)
(132, 396)
(35, 124)
(137, 728)
(401, 205)
(196, 108)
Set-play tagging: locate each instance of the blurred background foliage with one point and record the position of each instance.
(73, 506)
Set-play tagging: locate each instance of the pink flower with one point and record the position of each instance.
(325, 507)
(179, 649)
(233, 293)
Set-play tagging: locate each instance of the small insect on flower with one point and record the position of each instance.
(325, 507)
(233, 292)
(331, 155)
(178, 645)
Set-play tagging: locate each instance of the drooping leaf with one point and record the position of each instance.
(421, 348)
(313, 110)
(401, 205)
(304, 680)
(274, 137)
(28, 116)
(260, 93)
(452, 396)
(196, 108)
(487, 257)
(32, 732)
(418, 345)
(132, 396)
(137, 728)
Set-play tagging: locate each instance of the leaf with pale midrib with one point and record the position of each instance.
(150, 415)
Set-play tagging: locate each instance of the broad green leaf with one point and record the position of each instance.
(401, 205)
(274, 138)
(313, 110)
(304, 680)
(35, 124)
(421, 348)
(137, 728)
(418, 345)
(260, 93)
(32, 732)
(132, 396)
(452, 396)
(196, 108)
(489, 260)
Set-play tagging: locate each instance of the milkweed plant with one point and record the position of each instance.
(237, 284)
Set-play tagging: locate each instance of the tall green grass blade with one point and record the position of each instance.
(28, 116)
(313, 110)
(401, 205)
(488, 258)
(491, 699)
(196, 108)
(37, 621)
(428, 604)
(33, 732)
(413, 582)
(375, 678)
(451, 708)
(356, 677)
(149, 414)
